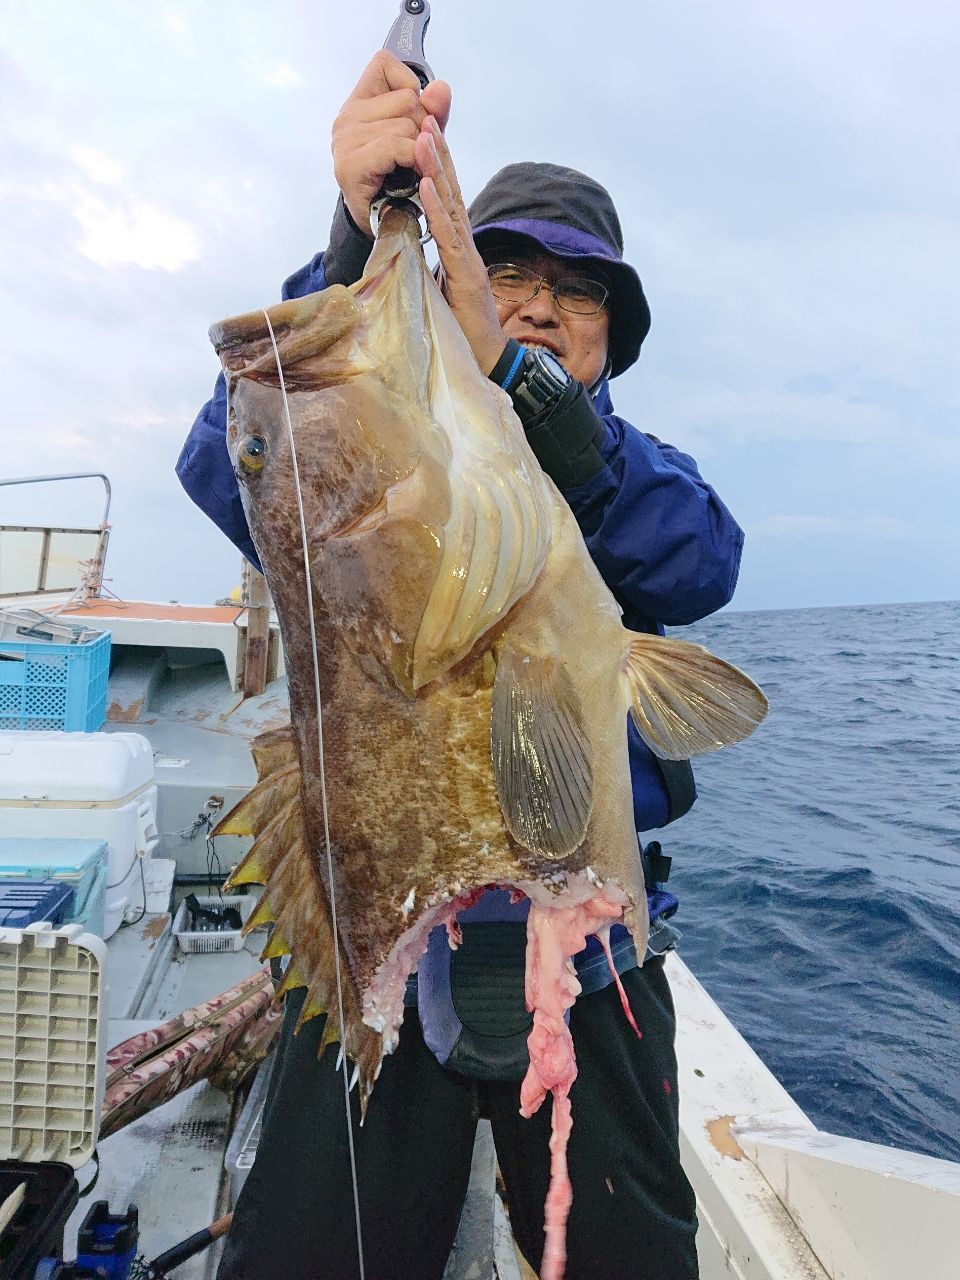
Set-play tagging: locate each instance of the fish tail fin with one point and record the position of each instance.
(684, 701)
(295, 899)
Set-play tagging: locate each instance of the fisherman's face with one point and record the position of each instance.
(578, 341)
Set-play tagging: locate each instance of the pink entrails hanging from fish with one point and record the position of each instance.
(554, 935)
(604, 936)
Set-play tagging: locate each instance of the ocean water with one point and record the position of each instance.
(819, 871)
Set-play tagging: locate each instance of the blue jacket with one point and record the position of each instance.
(667, 547)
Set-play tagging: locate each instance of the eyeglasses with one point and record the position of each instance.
(511, 283)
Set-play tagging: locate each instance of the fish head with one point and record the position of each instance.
(338, 457)
(421, 509)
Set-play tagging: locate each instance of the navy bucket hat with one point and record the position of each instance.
(571, 216)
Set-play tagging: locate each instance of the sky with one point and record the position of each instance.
(787, 179)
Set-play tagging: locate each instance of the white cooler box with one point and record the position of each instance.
(90, 786)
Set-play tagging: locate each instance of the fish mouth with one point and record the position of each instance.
(564, 912)
(383, 999)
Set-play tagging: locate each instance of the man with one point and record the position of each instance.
(535, 276)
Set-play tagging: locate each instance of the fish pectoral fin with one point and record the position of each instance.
(541, 753)
(684, 701)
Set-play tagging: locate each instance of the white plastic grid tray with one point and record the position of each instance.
(52, 1051)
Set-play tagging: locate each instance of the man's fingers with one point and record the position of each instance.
(383, 73)
(449, 229)
(381, 156)
(465, 286)
(398, 104)
(401, 127)
(428, 163)
(451, 175)
(436, 99)
(370, 162)
(443, 154)
(444, 181)
(444, 233)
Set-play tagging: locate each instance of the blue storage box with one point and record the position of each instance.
(79, 864)
(24, 902)
(54, 686)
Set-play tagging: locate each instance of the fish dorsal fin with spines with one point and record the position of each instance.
(683, 700)
(295, 900)
(541, 753)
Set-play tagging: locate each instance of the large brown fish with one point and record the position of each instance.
(474, 672)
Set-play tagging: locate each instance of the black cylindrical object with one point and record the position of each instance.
(36, 1230)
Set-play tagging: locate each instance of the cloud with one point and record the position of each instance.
(283, 77)
(778, 170)
(180, 34)
(134, 234)
(97, 166)
(67, 439)
(799, 527)
(117, 231)
(751, 415)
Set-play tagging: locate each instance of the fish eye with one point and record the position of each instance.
(252, 453)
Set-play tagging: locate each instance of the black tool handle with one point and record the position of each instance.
(406, 42)
(189, 1248)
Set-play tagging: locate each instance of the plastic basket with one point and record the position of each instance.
(89, 911)
(206, 943)
(54, 686)
(81, 865)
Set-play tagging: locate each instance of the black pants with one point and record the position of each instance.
(633, 1210)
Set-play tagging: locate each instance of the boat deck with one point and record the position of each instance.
(170, 1163)
(777, 1198)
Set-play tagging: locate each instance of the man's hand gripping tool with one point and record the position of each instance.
(405, 41)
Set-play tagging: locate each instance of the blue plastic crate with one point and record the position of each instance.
(24, 902)
(54, 686)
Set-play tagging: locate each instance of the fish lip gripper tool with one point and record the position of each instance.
(405, 41)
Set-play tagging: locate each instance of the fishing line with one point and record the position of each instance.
(323, 792)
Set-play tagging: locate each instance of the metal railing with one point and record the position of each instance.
(89, 571)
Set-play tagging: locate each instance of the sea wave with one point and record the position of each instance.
(818, 872)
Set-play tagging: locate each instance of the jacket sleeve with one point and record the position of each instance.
(205, 471)
(663, 541)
